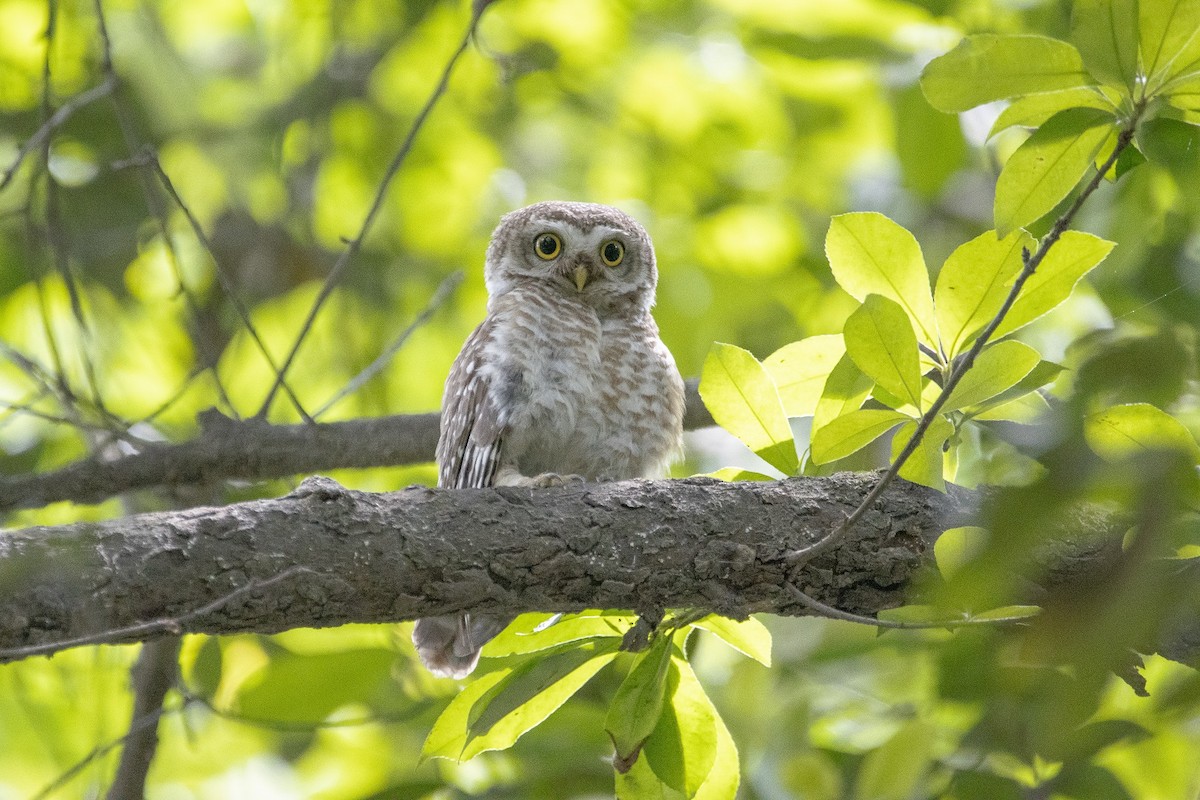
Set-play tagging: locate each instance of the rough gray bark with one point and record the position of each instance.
(251, 450)
(351, 556)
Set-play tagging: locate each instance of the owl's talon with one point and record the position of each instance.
(547, 479)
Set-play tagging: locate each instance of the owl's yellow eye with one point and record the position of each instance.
(612, 252)
(547, 246)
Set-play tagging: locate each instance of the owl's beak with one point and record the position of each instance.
(581, 277)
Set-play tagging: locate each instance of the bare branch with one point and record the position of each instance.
(153, 676)
(252, 450)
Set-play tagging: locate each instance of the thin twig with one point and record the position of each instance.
(54, 122)
(353, 246)
(136, 727)
(444, 290)
(150, 159)
(143, 630)
(829, 612)
(967, 361)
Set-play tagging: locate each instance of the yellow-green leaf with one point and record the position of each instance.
(988, 67)
(749, 636)
(498, 708)
(845, 390)
(871, 254)
(851, 432)
(881, 341)
(973, 284)
(924, 466)
(636, 707)
(1122, 431)
(1106, 33)
(997, 369)
(1169, 32)
(800, 370)
(1072, 257)
(1034, 109)
(893, 771)
(1049, 165)
(957, 547)
(530, 633)
(743, 400)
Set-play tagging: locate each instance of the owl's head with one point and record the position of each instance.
(595, 253)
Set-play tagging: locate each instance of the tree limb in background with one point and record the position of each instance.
(251, 450)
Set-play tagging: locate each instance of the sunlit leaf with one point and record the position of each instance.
(1033, 110)
(737, 474)
(998, 368)
(1169, 33)
(1106, 33)
(682, 748)
(957, 547)
(924, 466)
(800, 370)
(1049, 165)
(894, 770)
(749, 636)
(1122, 431)
(972, 286)
(523, 636)
(1006, 613)
(635, 709)
(987, 67)
(845, 390)
(498, 708)
(1024, 409)
(851, 432)
(1072, 257)
(743, 400)
(881, 341)
(871, 254)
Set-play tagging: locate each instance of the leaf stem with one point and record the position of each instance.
(965, 362)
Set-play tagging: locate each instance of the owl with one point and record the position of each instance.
(565, 379)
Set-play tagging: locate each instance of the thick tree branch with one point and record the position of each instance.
(361, 557)
(250, 450)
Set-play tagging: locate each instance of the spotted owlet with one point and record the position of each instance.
(564, 379)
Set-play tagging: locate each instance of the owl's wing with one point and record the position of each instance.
(472, 434)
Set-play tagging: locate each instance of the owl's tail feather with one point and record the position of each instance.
(449, 645)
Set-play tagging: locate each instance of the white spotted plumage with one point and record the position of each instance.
(565, 376)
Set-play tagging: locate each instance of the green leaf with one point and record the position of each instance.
(522, 634)
(683, 747)
(1106, 33)
(800, 370)
(881, 341)
(957, 547)
(1033, 110)
(894, 770)
(1184, 93)
(749, 636)
(742, 399)
(997, 369)
(733, 474)
(1049, 165)
(924, 466)
(1072, 257)
(496, 709)
(1122, 431)
(1024, 409)
(987, 67)
(325, 681)
(1173, 144)
(973, 284)
(851, 432)
(1006, 613)
(636, 707)
(845, 390)
(871, 254)
(1168, 33)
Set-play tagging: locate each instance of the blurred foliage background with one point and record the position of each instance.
(733, 129)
